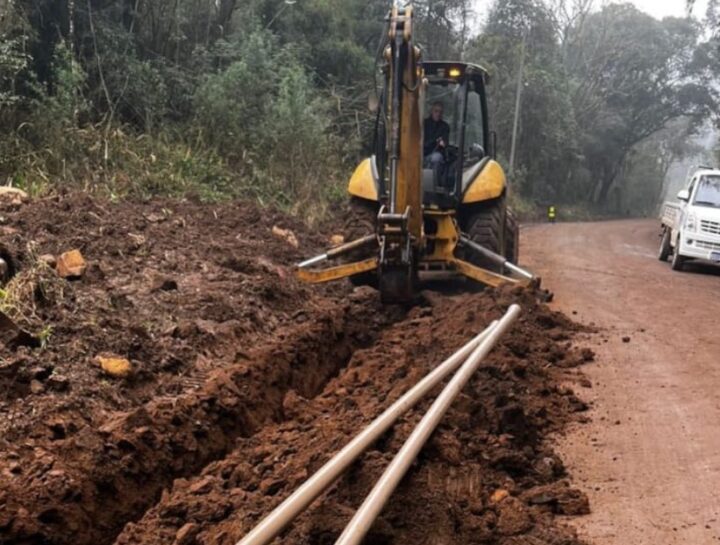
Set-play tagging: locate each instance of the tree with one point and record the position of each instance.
(631, 76)
(547, 126)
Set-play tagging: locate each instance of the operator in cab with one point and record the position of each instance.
(436, 136)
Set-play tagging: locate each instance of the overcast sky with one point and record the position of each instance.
(657, 8)
(663, 8)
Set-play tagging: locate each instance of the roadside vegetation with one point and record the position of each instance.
(267, 99)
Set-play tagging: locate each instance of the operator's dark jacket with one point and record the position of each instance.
(434, 130)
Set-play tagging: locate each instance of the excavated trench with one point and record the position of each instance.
(82, 489)
(487, 476)
(245, 381)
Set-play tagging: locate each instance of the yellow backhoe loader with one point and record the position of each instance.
(420, 220)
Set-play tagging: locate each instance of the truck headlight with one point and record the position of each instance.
(691, 222)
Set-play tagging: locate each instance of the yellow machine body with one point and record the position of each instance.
(489, 183)
(363, 183)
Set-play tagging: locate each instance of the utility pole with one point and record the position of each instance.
(518, 100)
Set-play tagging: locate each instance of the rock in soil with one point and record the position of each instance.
(71, 265)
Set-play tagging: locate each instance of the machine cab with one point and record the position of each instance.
(457, 90)
(467, 173)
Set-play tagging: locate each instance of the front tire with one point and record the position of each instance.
(678, 261)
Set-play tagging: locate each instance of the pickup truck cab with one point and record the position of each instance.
(691, 226)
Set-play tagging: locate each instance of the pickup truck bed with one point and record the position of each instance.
(671, 214)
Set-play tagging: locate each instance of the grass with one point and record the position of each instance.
(121, 164)
(36, 285)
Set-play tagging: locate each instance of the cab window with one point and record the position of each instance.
(708, 192)
(449, 94)
(474, 134)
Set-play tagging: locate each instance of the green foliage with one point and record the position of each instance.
(61, 109)
(596, 87)
(13, 63)
(267, 99)
(264, 114)
(233, 104)
(547, 129)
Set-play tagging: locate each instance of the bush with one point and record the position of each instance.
(265, 115)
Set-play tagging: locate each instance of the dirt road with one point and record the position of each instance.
(650, 460)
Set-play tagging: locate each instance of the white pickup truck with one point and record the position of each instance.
(691, 226)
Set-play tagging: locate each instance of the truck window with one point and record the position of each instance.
(708, 192)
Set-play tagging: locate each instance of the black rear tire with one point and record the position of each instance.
(512, 238)
(487, 226)
(360, 221)
(665, 247)
(360, 218)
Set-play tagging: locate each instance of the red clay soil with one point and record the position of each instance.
(188, 293)
(491, 440)
(244, 381)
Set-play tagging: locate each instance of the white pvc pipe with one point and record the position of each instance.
(288, 510)
(358, 527)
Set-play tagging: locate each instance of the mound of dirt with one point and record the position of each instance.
(187, 293)
(175, 287)
(487, 475)
(239, 382)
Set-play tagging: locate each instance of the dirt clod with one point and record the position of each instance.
(115, 366)
(513, 517)
(71, 265)
(560, 497)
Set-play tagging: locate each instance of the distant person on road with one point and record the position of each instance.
(551, 214)
(436, 137)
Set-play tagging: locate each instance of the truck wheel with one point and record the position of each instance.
(665, 247)
(678, 261)
(512, 238)
(487, 226)
(360, 221)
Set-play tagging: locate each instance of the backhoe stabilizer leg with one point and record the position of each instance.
(338, 251)
(494, 279)
(500, 260)
(336, 273)
(481, 275)
(306, 274)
